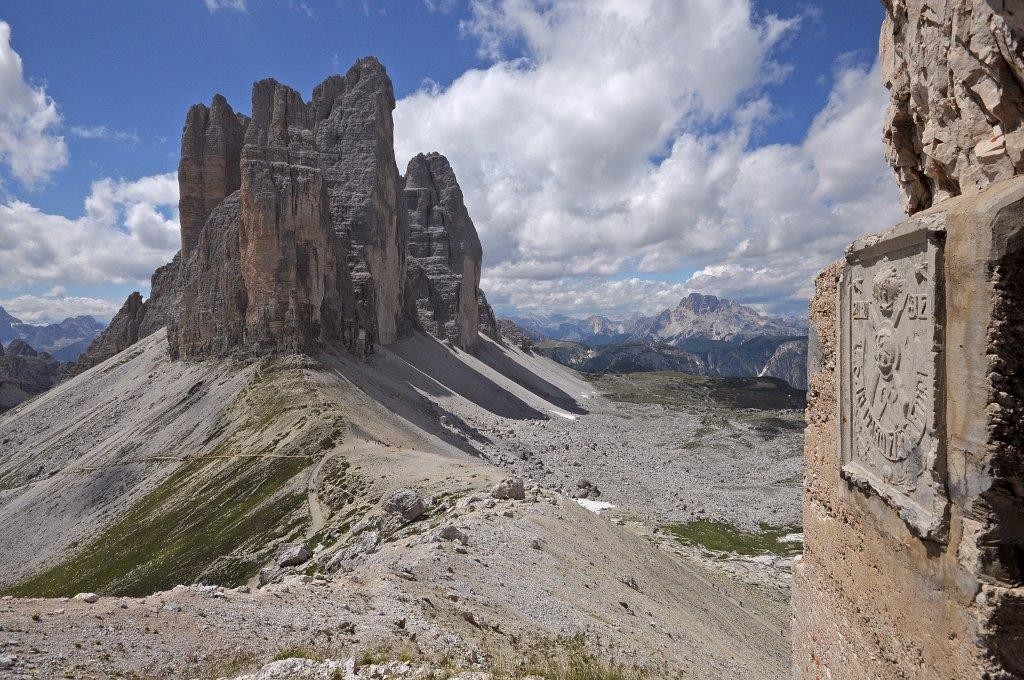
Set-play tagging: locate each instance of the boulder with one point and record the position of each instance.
(453, 533)
(293, 555)
(510, 488)
(91, 598)
(405, 503)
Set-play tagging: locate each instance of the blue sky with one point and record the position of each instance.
(121, 75)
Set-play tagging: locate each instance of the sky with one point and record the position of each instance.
(615, 155)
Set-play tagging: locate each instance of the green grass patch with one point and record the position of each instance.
(564, 658)
(208, 520)
(682, 390)
(295, 653)
(724, 537)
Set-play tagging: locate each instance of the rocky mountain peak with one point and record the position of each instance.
(702, 304)
(20, 348)
(444, 253)
(211, 145)
(310, 248)
(295, 226)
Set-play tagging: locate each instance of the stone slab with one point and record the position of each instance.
(891, 380)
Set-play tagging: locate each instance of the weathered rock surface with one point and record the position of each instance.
(789, 362)
(955, 71)
(24, 373)
(486, 320)
(138, 319)
(913, 488)
(310, 249)
(509, 330)
(444, 254)
(122, 333)
(211, 147)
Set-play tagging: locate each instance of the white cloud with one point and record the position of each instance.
(128, 230)
(29, 119)
(616, 298)
(443, 6)
(214, 5)
(103, 132)
(624, 141)
(57, 305)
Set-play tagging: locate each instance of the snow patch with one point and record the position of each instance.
(792, 538)
(596, 507)
(567, 416)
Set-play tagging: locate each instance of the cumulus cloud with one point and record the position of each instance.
(620, 138)
(128, 229)
(57, 305)
(591, 295)
(29, 120)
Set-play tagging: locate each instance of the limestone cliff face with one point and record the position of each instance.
(295, 231)
(354, 131)
(487, 321)
(211, 146)
(955, 71)
(122, 332)
(444, 254)
(310, 250)
(137, 319)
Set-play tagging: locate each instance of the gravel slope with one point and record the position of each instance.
(418, 415)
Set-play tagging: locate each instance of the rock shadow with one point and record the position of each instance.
(433, 368)
(492, 355)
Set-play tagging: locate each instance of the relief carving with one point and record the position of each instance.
(891, 375)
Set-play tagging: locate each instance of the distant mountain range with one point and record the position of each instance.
(703, 335)
(695, 321)
(64, 341)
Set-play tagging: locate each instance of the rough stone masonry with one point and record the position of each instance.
(914, 497)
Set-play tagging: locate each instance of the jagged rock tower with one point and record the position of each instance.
(294, 228)
(303, 242)
(444, 252)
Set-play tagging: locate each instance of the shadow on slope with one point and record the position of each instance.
(498, 360)
(435, 366)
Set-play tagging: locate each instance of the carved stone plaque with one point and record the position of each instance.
(890, 374)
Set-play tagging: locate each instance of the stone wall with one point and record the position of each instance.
(914, 498)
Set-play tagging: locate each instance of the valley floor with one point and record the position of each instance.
(143, 473)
